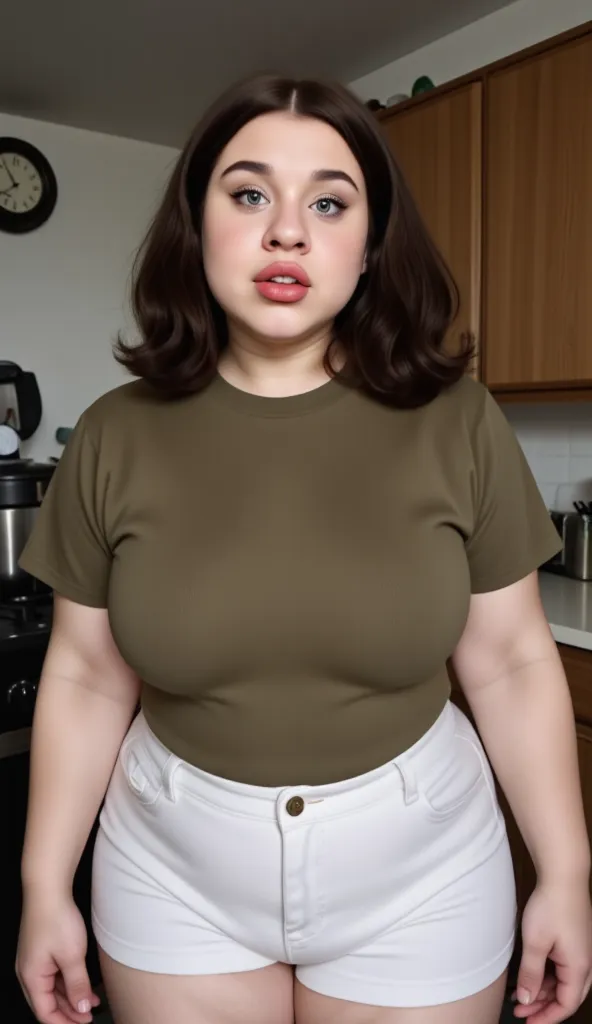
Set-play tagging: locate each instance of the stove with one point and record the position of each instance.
(25, 622)
(25, 626)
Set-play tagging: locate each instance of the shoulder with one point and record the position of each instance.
(127, 400)
(461, 407)
(125, 412)
(467, 398)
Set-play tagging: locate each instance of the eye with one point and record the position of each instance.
(326, 202)
(327, 206)
(248, 197)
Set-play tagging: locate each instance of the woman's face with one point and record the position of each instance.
(286, 189)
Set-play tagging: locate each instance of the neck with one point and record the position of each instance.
(275, 372)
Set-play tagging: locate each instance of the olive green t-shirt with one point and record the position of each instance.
(288, 576)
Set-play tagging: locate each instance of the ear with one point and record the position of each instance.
(364, 264)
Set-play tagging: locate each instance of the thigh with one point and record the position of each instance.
(264, 996)
(449, 948)
(483, 1008)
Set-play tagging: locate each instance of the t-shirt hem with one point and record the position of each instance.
(60, 584)
(518, 571)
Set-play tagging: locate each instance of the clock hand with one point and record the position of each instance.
(13, 180)
(7, 191)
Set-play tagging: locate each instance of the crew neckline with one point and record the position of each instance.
(305, 402)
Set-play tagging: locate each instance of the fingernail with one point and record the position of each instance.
(83, 1006)
(524, 996)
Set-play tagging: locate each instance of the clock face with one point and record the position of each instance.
(21, 188)
(28, 187)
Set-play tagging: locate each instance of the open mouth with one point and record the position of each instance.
(283, 282)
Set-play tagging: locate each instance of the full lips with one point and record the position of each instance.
(281, 292)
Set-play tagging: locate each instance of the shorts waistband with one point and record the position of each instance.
(324, 800)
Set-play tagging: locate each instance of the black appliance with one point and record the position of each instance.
(23, 482)
(25, 621)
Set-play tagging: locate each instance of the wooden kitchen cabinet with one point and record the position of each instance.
(438, 146)
(538, 221)
(578, 669)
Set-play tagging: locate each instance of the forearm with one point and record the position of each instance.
(526, 721)
(77, 733)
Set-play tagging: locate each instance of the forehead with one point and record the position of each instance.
(288, 142)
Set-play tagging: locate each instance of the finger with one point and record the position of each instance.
(40, 995)
(545, 996)
(65, 1002)
(528, 1012)
(47, 1010)
(70, 1014)
(77, 986)
(546, 991)
(553, 1013)
(571, 985)
(531, 974)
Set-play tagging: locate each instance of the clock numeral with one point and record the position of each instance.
(16, 161)
(35, 188)
(14, 206)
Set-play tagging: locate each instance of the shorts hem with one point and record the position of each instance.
(177, 962)
(327, 980)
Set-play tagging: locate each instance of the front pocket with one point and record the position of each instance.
(453, 786)
(141, 775)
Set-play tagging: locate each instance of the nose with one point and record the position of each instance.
(287, 230)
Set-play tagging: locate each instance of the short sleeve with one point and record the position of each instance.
(68, 549)
(512, 533)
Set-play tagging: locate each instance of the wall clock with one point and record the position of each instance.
(28, 186)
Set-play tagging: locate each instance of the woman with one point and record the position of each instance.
(276, 537)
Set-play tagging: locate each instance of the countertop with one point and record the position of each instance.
(568, 607)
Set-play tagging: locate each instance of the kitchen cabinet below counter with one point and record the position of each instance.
(578, 667)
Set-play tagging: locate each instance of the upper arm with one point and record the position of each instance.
(70, 547)
(82, 650)
(505, 628)
(511, 533)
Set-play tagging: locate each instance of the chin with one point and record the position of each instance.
(282, 324)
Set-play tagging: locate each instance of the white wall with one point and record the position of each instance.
(557, 439)
(510, 29)
(63, 288)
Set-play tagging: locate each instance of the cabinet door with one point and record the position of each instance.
(584, 1014)
(524, 871)
(538, 222)
(438, 147)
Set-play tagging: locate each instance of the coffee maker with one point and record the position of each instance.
(23, 483)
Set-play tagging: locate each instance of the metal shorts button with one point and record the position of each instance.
(295, 806)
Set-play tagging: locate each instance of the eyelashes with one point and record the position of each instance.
(250, 191)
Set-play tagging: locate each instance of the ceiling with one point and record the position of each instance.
(145, 69)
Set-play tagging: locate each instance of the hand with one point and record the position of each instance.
(50, 963)
(13, 181)
(557, 925)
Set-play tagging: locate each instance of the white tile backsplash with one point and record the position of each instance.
(557, 442)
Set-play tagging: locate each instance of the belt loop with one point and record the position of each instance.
(410, 790)
(168, 777)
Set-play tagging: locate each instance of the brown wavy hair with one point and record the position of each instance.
(392, 330)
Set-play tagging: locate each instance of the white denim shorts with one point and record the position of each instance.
(394, 888)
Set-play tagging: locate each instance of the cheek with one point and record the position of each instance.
(224, 242)
(342, 264)
(220, 239)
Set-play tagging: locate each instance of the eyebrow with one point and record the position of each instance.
(255, 167)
